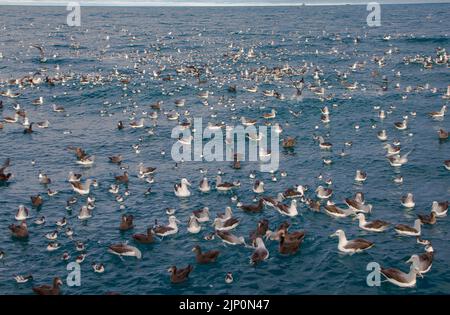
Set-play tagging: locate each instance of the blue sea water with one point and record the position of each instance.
(154, 37)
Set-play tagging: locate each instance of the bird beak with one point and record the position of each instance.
(178, 221)
(333, 235)
(188, 183)
(408, 261)
(193, 249)
(354, 218)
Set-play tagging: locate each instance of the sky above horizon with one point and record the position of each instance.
(211, 2)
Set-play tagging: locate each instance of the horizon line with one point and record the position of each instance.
(205, 4)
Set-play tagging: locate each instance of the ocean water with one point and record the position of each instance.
(154, 37)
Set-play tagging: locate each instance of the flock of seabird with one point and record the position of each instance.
(307, 78)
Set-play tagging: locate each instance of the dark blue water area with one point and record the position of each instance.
(131, 40)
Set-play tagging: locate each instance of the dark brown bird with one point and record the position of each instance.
(19, 231)
(126, 222)
(156, 105)
(5, 177)
(236, 163)
(179, 275)
(29, 129)
(290, 243)
(289, 142)
(79, 152)
(122, 178)
(37, 201)
(443, 135)
(261, 230)
(49, 290)
(116, 159)
(144, 238)
(427, 218)
(252, 208)
(120, 125)
(206, 257)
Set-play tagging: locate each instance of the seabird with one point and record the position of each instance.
(226, 215)
(358, 206)
(193, 225)
(322, 144)
(179, 275)
(443, 135)
(260, 253)
(204, 185)
(80, 188)
(230, 238)
(446, 165)
(334, 211)
(423, 262)
(123, 179)
(253, 207)
(402, 125)
(145, 238)
(324, 193)
(372, 226)
(360, 176)
(85, 213)
(144, 171)
(126, 222)
(73, 177)
(98, 267)
(202, 214)
(49, 290)
(382, 135)
(22, 213)
(289, 210)
(297, 192)
(408, 201)
(182, 190)
(351, 246)
(427, 218)
(116, 159)
(289, 142)
(407, 230)
(23, 279)
(229, 278)
(125, 250)
(440, 113)
(223, 186)
(440, 208)
(171, 228)
(290, 242)
(61, 222)
(137, 124)
(205, 257)
(52, 246)
(4, 177)
(258, 187)
(40, 220)
(220, 225)
(19, 231)
(401, 279)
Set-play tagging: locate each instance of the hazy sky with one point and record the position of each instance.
(213, 2)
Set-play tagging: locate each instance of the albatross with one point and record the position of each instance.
(351, 246)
